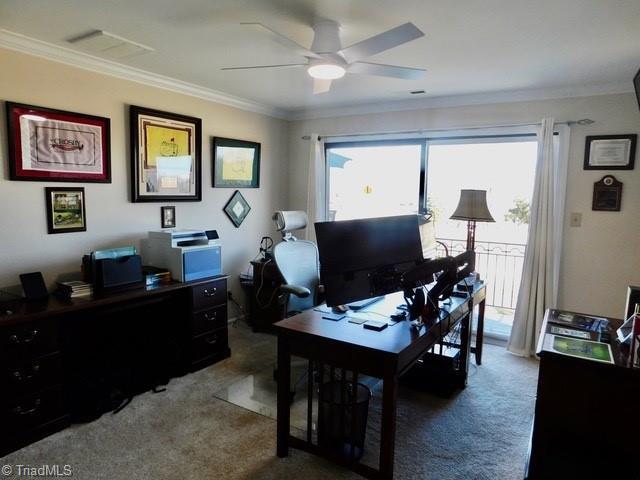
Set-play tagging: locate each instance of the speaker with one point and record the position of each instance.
(33, 286)
(633, 297)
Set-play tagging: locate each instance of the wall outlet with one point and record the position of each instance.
(576, 219)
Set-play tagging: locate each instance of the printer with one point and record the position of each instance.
(187, 254)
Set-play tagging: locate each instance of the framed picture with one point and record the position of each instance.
(168, 215)
(54, 145)
(607, 194)
(610, 152)
(236, 163)
(237, 208)
(165, 156)
(65, 209)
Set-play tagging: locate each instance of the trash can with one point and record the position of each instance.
(343, 422)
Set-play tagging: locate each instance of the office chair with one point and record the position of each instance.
(298, 263)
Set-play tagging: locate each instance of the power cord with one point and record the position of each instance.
(241, 312)
(260, 304)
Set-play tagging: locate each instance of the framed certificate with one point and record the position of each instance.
(610, 152)
(165, 156)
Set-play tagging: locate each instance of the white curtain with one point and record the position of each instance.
(316, 186)
(541, 271)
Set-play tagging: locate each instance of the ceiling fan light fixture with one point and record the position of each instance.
(326, 71)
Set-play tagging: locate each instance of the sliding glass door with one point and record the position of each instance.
(425, 175)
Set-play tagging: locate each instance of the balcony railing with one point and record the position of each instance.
(499, 264)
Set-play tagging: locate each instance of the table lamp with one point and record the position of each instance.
(472, 207)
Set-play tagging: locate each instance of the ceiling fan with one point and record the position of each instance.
(328, 61)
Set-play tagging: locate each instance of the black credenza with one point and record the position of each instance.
(66, 360)
(586, 419)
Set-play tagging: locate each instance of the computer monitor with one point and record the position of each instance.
(364, 258)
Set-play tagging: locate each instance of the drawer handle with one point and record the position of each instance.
(20, 410)
(210, 293)
(21, 377)
(213, 340)
(15, 339)
(211, 317)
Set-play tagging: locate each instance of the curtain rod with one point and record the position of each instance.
(583, 121)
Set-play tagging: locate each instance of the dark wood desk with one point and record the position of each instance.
(586, 420)
(386, 354)
(59, 355)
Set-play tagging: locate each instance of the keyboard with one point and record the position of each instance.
(360, 304)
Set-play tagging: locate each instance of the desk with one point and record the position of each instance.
(50, 351)
(386, 354)
(586, 420)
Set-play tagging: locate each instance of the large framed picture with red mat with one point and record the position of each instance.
(57, 146)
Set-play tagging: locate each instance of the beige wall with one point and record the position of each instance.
(600, 258)
(111, 219)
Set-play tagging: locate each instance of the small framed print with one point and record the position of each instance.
(165, 156)
(168, 216)
(236, 163)
(610, 152)
(237, 208)
(607, 194)
(65, 210)
(57, 146)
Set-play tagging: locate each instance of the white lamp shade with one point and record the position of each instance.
(473, 206)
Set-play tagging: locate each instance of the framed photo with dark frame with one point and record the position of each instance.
(236, 163)
(168, 217)
(166, 160)
(607, 194)
(610, 152)
(50, 145)
(65, 209)
(237, 208)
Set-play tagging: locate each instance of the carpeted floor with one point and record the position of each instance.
(187, 433)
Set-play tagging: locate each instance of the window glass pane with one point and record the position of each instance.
(505, 170)
(373, 181)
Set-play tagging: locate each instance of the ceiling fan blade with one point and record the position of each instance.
(282, 40)
(321, 86)
(406, 73)
(381, 42)
(284, 65)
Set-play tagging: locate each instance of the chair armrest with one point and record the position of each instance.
(296, 290)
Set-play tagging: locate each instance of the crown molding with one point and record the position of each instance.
(551, 93)
(56, 53)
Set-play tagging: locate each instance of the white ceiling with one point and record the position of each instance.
(470, 47)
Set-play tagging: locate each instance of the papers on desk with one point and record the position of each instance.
(576, 347)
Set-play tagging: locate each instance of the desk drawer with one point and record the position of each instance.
(31, 376)
(30, 411)
(209, 345)
(210, 294)
(207, 320)
(28, 340)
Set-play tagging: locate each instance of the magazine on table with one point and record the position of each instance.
(579, 321)
(577, 347)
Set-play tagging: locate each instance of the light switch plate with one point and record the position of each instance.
(576, 219)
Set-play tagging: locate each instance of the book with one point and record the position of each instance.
(578, 321)
(569, 332)
(577, 347)
(74, 288)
